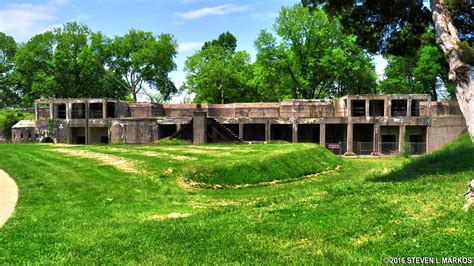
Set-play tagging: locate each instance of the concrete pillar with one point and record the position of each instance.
(87, 123)
(350, 136)
(367, 107)
(51, 110)
(199, 128)
(36, 112)
(268, 131)
(349, 107)
(104, 109)
(401, 139)
(409, 107)
(388, 107)
(377, 141)
(241, 131)
(68, 111)
(322, 134)
(68, 134)
(294, 136)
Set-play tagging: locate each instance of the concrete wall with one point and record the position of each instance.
(444, 130)
(23, 135)
(133, 131)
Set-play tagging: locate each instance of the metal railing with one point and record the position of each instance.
(78, 114)
(417, 147)
(389, 147)
(338, 148)
(61, 114)
(363, 148)
(96, 114)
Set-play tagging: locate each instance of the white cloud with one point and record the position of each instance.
(216, 10)
(23, 20)
(189, 46)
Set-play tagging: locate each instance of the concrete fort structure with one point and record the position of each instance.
(354, 124)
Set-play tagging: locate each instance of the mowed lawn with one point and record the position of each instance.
(233, 204)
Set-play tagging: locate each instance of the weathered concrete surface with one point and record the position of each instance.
(8, 197)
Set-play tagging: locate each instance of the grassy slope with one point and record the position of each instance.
(369, 209)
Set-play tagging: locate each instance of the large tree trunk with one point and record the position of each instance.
(460, 73)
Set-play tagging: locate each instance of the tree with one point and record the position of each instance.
(270, 75)
(226, 40)
(66, 62)
(33, 65)
(141, 59)
(8, 47)
(396, 29)
(315, 55)
(218, 74)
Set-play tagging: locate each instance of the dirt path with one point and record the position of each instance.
(8, 197)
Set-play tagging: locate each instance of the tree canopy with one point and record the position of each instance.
(8, 49)
(219, 74)
(314, 58)
(141, 59)
(73, 61)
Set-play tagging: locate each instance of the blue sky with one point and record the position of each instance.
(192, 22)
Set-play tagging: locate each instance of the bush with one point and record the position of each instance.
(407, 150)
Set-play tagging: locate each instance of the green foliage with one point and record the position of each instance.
(217, 74)
(8, 93)
(52, 126)
(169, 141)
(9, 118)
(66, 62)
(407, 150)
(314, 58)
(425, 72)
(368, 209)
(283, 161)
(226, 40)
(140, 58)
(467, 52)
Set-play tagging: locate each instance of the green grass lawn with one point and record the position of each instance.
(111, 204)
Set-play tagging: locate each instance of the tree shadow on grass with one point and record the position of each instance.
(455, 157)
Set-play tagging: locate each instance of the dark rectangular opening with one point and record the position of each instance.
(78, 110)
(234, 128)
(110, 110)
(308, 133)
(389, 139)
(254, 132)
(60, 111)
(222, 132)
(78, 135)
(399, 107)
(186, 132)
(99, 135)
(363, 139)
(415, 108)
(165, 131)
(389, 144)
(95, 110)
(358, 107)
(281, 132)
(416, 139)
(376, 108)
(336, 138)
